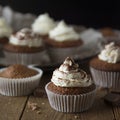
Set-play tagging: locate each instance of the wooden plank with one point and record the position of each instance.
(46, 112)
(99, 111)
(11, 107)
(116, 111)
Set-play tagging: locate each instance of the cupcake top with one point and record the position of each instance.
(5, 29)
(107, 32)
(69, 75)
(43, 24)
(26, 37)
(63, 32)
(110, 54)
(18, 71)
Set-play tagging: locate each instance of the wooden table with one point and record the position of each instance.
(16, 108)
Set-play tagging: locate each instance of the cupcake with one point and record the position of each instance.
(43, 24)
(108, 32)
(5, 31)
(110, 35)
(71, 89)
(25, 47)
(19, 80)
(63, 41)
(105, 68)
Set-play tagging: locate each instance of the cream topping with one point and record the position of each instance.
(5, 29)
(90, 35)
(26, 37)
(69, 75)
(111, 53)
(43, 24)
(63, 32)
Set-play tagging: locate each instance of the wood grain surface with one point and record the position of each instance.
(16, 108)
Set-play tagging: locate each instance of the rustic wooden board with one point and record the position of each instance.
(47, 113)
(99, 111)
(11, 107)
(16, 108)
(116, 111)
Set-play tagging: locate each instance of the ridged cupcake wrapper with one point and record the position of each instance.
(27, 58)
(19, 87)
(70, 103)
(106, 79)
(59, 54)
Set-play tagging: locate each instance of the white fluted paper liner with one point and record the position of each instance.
(70, 103)
(20, 87)
(59, 54)
(27, 58)
(106, 79)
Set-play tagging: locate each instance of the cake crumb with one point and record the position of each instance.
(43, 103)
(38, 112)
(76, 117)
(33, 106)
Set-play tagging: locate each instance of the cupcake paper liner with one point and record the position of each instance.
(70, 103)
(20, 86)
(27, 58)
(106, 79)
(59, 54)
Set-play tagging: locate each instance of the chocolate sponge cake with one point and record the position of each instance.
(18, 71)
(63, 44)
(70, 88)
(22, 49)
(25, 47)
(19, 80)
(105, 68)
(63, 41)
(103, 65)
(24, 41)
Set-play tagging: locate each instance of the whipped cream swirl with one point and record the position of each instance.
(5, 29)
(69, 75)
(110, 54)
(26, 37)
(43, 24)
(63, 32)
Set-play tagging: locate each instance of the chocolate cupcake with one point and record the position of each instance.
(70, 89)
(63, 41)
(43, 24)
(110, 35)
(108, 32)
(105, 68)
(5, 31)
(25, 47)
(19, 80)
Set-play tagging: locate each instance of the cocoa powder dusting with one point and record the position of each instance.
(18, 71)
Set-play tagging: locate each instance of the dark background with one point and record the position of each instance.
(83, 12)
